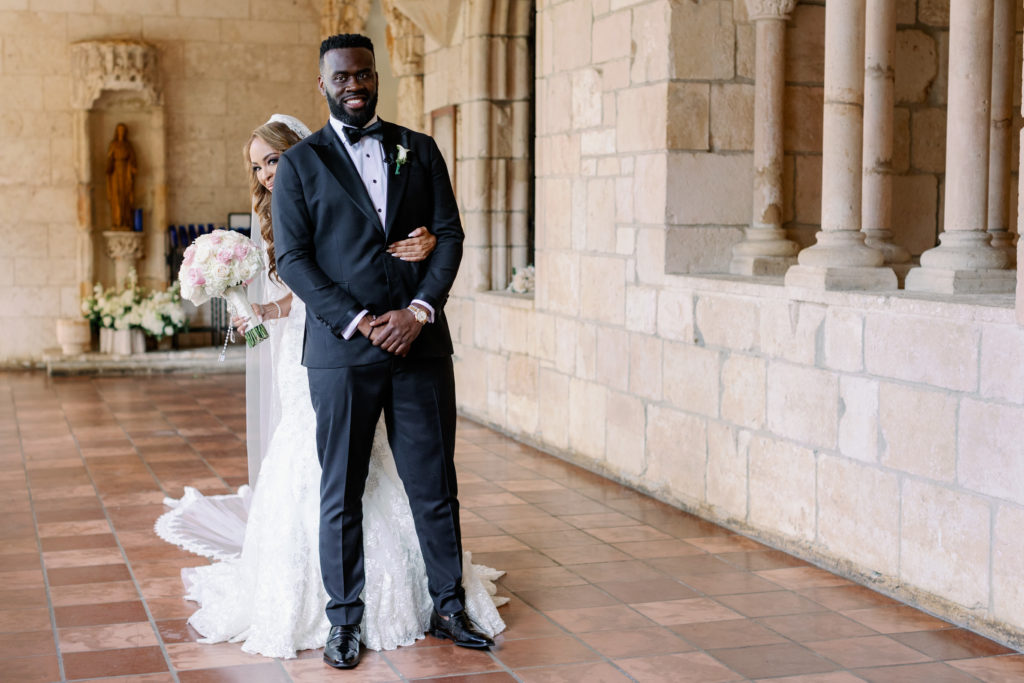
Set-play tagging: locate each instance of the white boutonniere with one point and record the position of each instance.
(401, 158)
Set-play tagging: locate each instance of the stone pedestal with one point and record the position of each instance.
(74, 336)
(965, 260)
(125, 248)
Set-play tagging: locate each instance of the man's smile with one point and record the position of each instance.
(355, 101)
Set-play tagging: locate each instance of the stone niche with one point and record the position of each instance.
(117, 81)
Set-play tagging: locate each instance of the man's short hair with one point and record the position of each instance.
(344, 40)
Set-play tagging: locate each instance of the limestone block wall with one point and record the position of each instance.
(225, 66)
(876, 434)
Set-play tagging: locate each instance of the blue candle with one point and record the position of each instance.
(138, 220)
(173, 234)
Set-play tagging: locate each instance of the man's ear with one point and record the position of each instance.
(320, 85)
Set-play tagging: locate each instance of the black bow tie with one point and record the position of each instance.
(374, 130)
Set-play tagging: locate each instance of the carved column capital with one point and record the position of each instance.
(436, 18)
(123, 245)
(343, 16)
(770, 9)
(98, 65)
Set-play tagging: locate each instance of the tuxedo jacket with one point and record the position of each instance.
(331, 247)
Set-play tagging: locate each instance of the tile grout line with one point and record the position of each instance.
(39, 540)
(676, 579)
(573, 635)
(131, 572)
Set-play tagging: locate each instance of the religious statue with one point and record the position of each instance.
(121, 169)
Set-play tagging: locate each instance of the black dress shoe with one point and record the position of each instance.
(460, 628)
(342, 649)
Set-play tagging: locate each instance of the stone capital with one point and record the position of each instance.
(98, 65)
(770, 9)
(124, 245)
(436, 18)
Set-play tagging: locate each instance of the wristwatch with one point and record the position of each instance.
(420, 315)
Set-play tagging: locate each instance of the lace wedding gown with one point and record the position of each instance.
(266, 589)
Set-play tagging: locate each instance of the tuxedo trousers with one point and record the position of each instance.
(417, 397)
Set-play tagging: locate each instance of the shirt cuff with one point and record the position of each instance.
(427, 307)
(351, 329)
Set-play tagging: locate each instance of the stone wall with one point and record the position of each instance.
(873, 433)
(225, 65)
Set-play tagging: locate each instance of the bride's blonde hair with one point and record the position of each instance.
(280, 137)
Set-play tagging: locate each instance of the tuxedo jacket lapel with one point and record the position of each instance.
(393, 136)
(332, 153)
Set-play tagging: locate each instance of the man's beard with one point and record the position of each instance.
(357, 119)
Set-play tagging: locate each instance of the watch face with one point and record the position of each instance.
(420, 314)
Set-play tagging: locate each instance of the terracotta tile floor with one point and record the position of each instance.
(606, 584)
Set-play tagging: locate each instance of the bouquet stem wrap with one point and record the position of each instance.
(255, 332)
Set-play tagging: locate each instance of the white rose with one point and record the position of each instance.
(219, 272)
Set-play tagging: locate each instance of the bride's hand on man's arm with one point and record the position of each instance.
(416, 247)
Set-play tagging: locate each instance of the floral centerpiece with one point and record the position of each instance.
(158, 314)
(112, 308)
(221, 263)
(522, 280)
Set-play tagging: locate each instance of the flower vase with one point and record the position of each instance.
(106, 340)
(138, 341)
(122, 342)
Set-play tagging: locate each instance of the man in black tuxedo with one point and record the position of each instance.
(376, 335)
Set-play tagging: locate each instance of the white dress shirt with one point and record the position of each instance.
(368, 157)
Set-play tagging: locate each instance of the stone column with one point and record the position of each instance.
(879, 97)
(841, 259)
(1000, 134)
(965, 261)
(765, 249)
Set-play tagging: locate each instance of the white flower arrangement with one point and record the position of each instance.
(522, 280)
(158, 314)
(161, 314)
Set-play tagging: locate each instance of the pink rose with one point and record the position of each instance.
(241, 251)
(190, 254)
(225, 256)
(197, 277)
(214, 237)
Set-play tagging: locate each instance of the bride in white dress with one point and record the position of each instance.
(265, 590)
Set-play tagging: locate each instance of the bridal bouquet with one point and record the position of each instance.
(221, 263)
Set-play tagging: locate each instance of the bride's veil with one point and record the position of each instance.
(261, 410)
(259, 388)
